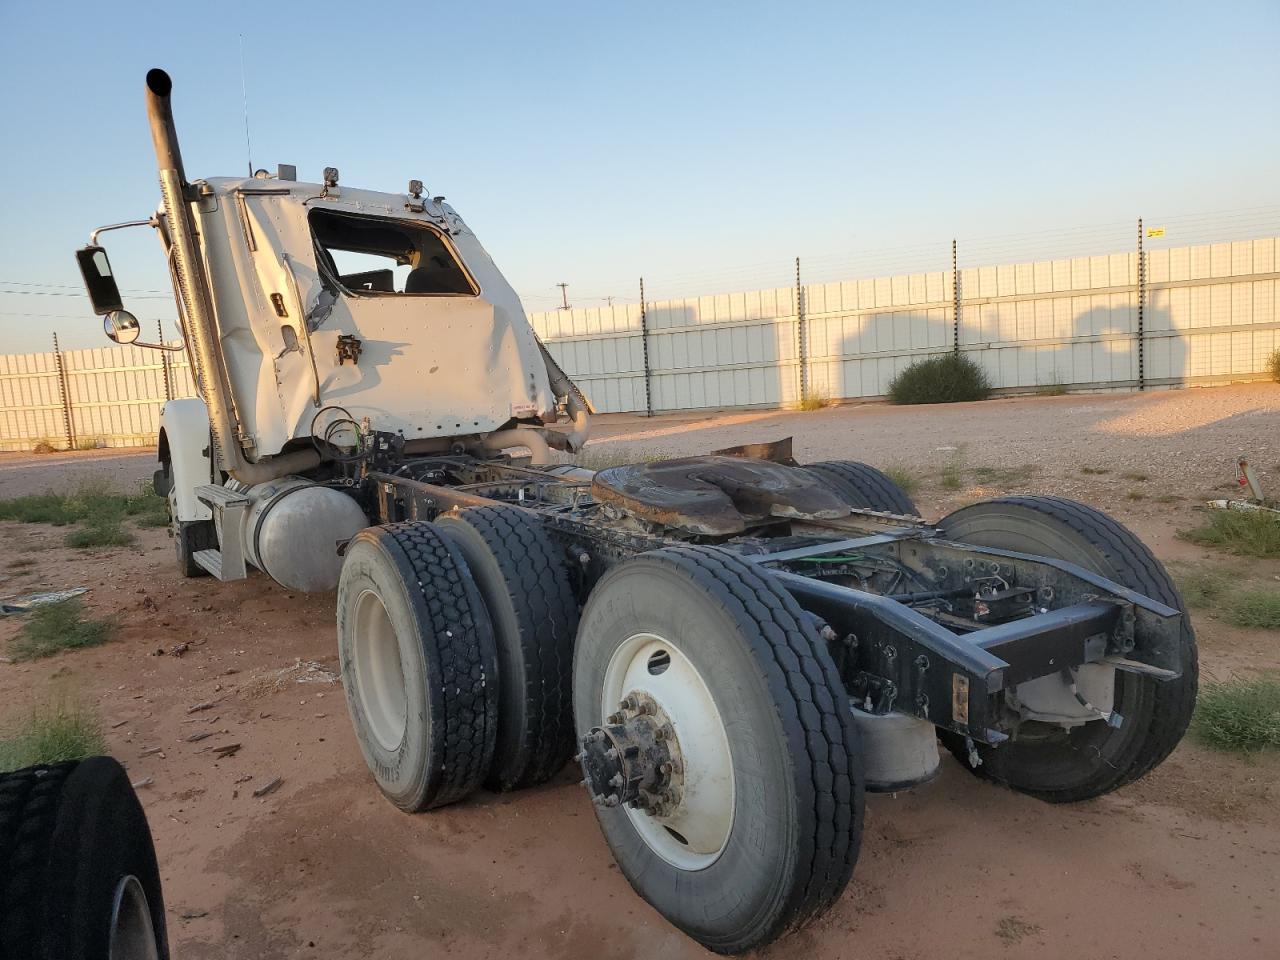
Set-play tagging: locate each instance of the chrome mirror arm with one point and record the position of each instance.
(149, 222)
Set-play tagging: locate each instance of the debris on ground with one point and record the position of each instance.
(266, 788)
(273, 681)
(27, 603)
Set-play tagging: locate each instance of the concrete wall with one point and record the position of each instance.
(1210, 316)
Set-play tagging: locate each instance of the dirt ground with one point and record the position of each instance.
(1185, 863)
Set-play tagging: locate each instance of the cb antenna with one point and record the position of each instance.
(244, 94)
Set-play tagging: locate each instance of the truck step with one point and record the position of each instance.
(210, 560)
(228, 506)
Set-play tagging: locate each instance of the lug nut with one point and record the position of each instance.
(616, 718)
(615, 780)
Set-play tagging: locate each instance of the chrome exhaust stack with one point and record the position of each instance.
(196, 299)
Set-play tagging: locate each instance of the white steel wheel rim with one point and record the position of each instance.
(131, 937)
(379, 673)
(695, 833)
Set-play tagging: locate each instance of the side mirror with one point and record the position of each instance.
(99, 281)
(121, 326)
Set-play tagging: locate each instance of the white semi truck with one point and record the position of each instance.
(732, 648)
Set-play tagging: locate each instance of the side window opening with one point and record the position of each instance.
(373, 256)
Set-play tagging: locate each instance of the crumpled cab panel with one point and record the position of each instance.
(350, 298)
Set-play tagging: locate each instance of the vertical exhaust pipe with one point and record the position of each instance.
(192, 288)
(188, 274)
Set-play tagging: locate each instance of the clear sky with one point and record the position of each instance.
(703, 145)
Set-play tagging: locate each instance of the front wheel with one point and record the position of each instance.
(718, 744)
(1081, 761)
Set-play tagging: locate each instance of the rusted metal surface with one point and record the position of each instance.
(779, 451)
(716, 495)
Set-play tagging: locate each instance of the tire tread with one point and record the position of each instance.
(862, 485)
(453, 609)
(547, 612)
(830, 778)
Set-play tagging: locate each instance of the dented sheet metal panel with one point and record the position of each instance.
(429, 365)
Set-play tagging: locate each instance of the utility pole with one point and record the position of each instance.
(564, 295)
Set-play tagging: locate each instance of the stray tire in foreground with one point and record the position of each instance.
(1093, 758)
(719, 745)
(78, 874)
(861, 485)
(526, 591)
(419, 665)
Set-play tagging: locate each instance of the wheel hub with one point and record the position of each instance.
(634, 759)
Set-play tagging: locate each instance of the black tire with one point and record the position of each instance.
(70, 835)
(190, 537)
(418, 664)
(861, 485)
(526, 591)
(1088, 761)
(795, 832)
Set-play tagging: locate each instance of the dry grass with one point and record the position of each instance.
(904, 477)
(1222, 593)
(98, 513)
(56, 627)
(814, 400)
(1240, 715)
(1248, 533)
(49, 734)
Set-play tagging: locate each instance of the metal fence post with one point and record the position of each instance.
(164, 362)
(644, 347)
(65, 395)
(955, 300)
(802, 336)
(1142, 299)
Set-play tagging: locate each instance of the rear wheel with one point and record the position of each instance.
(862, 486)
(78, 873)
(740, 817)
(1088, 760)
(535, 616)
(419, 665)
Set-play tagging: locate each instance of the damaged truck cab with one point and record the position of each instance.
(384, 304)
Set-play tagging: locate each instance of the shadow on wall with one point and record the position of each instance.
(1094, 349)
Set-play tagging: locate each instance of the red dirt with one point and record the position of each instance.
(1185, 863)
